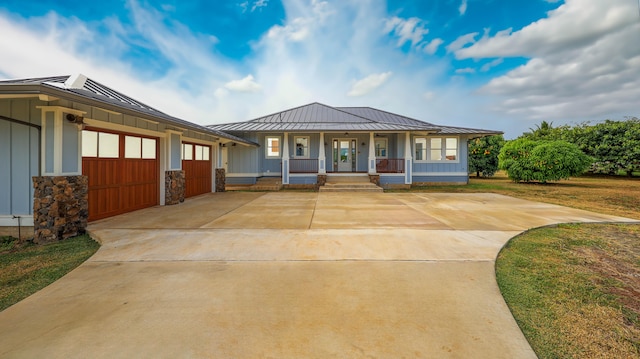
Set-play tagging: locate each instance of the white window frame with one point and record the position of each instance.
(386, 147)
(267, 148)
(443, 149)
(305, 150)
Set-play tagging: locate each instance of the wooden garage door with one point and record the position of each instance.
(196, 164)
(123, 172)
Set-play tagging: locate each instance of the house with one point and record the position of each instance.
(73, 150)
(308, 144)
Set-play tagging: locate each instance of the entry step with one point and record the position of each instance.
(350, 187)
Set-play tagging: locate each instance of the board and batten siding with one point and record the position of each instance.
(19, 154)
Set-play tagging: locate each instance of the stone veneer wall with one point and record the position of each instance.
(60, 207)
(375, 179)
(174, 187)
(220, 179)
(321, 181)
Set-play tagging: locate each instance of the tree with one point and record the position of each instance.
(483, 155)
(542, 161)
(546, 131)
(614, 145)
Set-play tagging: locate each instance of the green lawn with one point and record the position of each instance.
(574, 290)
(27, 268)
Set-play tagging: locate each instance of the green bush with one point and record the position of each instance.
(542, 161)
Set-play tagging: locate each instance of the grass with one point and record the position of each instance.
(27, 268)
(575, 290)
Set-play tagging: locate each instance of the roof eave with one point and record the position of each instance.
(45, 89)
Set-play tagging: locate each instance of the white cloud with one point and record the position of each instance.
(488, 66)
(584, 63)
(466, 70)
(461, 41)
(462, 9)
(368, 84)
(259, 4)
(246, 84)
(433, 46)
(411, 29)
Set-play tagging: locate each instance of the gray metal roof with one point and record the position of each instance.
(94, 93)
(317, 117)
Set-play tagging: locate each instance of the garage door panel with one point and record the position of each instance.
(197, 170)
(120, 185)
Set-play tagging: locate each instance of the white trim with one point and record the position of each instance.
(198, 141)
(123, 128)
(303, 174)
(430, 174)
(295, 147)
(249, 174)
(57, 142)
(26, 220)
(428, 149)
(391, 174)
(266, 147)
(62, 109)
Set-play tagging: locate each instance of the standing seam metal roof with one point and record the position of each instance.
(95, 91)
(319, 117)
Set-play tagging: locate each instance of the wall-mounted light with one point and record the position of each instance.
(363, 143)
(233, 144)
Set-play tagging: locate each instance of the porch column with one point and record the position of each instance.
(372, 154)
(322, 158)
(408, 159)
(285, 158)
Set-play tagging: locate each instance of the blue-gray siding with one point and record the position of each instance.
(19, 150)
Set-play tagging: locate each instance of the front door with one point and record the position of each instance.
(344, 155)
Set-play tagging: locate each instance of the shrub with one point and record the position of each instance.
(542, 161)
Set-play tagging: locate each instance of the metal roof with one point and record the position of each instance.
(94, 93)
(317, 117)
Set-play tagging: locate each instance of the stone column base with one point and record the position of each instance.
(221, 179)
(60, 207)
(375, 179)
(174, 187)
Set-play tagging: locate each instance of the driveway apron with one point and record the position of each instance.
(289, 275)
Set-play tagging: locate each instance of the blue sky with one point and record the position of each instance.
(496, 64)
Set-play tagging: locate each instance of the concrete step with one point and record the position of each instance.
(333, 178)
(350, 187)
(263, 184)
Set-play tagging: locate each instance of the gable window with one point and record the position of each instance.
(380, 145)
(436, 149)
(302, 146)
(273, 147)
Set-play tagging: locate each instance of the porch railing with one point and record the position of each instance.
(390, 165)
(306, 165)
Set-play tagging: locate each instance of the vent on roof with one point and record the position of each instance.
(75, 81)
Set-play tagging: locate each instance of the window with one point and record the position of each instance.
(192, 152)
(421, 149)
(273, 147)
(148, 148)
(381, 147)
(436, 149)
(187, 151)
(302, 146)
(107, 145)
(132, 147)
(89, 144)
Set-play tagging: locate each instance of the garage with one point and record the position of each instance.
(123, 172)
(197, 167)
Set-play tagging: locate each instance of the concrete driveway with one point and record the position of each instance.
(289, 275)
